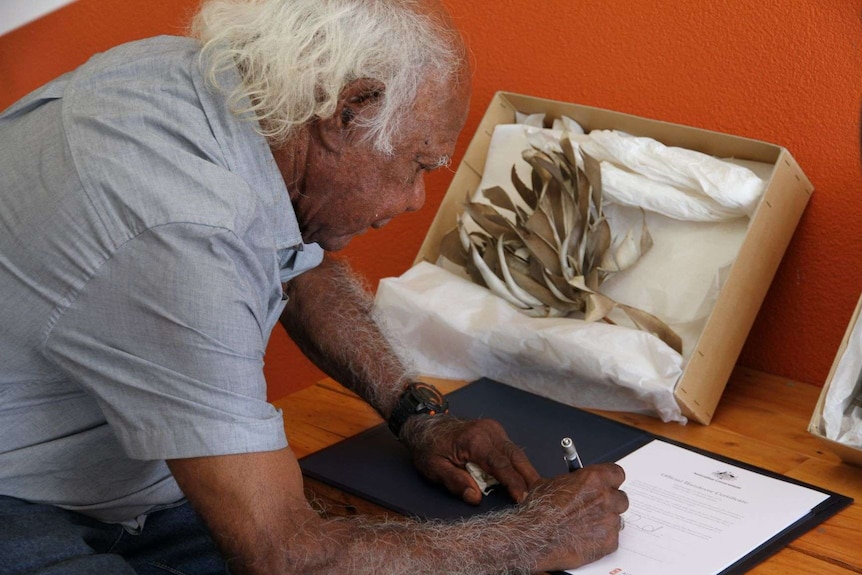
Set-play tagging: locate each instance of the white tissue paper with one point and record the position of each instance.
(459, 330)
(696, 209)
(842, 419)
(721, 186)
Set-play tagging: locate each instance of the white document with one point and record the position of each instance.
(690, 514)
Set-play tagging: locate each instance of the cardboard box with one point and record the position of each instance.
(815, 426)
(771, 227)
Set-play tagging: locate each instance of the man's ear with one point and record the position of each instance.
(356, 99)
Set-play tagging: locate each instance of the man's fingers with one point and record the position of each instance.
(446, 447)
(622, 502)
(458, 481)
(523, 466)
(502, 466)
(497, 455)
(617, 474)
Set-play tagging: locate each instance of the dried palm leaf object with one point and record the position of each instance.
(547, 244)
(548, 250)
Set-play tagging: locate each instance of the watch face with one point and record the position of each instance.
(430, 400)
(417, 398)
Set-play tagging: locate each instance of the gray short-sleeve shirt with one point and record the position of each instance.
(145, 233)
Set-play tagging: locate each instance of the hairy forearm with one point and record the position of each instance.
(504, 543)
(330, 316)
(512, 541)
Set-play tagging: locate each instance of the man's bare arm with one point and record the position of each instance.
(330, 316)
(255, 508)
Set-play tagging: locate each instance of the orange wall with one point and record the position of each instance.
(784, 71)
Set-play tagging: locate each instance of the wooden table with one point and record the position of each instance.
(762, 420)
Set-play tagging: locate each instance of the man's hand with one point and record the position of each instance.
(579, 513)
(442, 446)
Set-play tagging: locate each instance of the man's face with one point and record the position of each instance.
(348, 186)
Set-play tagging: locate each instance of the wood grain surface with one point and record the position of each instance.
(761, 420)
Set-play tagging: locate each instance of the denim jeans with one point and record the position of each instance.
(46, 540)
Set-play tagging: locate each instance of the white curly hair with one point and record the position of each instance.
(296, 56)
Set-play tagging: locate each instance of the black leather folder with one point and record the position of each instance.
(376, 467)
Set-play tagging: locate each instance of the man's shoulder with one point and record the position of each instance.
(161, 49)
(152, 143)
(135, 78)
(126, 65)
(148, 149)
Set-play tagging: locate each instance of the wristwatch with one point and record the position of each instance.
(416, 398)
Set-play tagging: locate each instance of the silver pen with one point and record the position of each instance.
(570, 454)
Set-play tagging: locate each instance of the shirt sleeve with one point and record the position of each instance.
(169, 337)
(298, 259)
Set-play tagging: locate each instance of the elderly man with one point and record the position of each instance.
(161, 208)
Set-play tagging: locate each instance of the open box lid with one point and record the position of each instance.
(770, 229)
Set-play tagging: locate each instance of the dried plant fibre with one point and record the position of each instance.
(548, 250)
